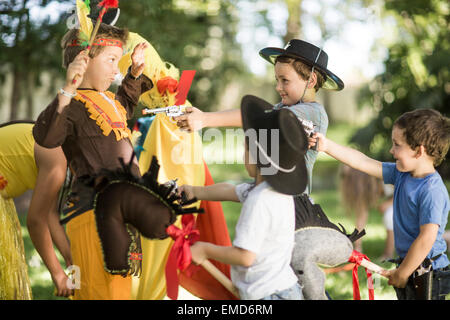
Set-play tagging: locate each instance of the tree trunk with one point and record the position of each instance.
(17, 72)
(293, 24)
(29, 96)
(15, 94)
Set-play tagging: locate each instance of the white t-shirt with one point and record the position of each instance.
(265, 227)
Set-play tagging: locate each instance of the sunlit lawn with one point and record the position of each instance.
(325, 193)
(338, 285)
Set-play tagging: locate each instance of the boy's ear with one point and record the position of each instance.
(312, 81)
(420, 151)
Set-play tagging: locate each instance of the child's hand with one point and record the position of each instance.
(319, 139)
(187, 190)
(138, 59)
(396, 278)
(75, 71)
(191, 121)
(198, 252)
(60, 281)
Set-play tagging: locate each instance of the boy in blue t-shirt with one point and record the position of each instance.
(420, 141)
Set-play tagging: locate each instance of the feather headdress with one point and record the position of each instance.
(83, 10)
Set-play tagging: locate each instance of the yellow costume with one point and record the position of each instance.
(18, 172)
(164, 135)
(180, 156)
(96, 283)
(86, 251)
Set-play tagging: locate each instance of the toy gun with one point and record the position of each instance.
(309, 129)
(172, 187)
(170, 111)
(308, 126)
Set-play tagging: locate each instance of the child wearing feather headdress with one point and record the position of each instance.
(162, 139)
(90, 123)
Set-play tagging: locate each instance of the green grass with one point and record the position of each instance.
(338, 285)
(325, 193)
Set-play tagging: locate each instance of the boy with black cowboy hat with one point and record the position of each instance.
(300, 70)
(262, 248)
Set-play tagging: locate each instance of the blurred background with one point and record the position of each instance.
(393, 56)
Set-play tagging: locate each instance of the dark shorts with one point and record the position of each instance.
(440, 286)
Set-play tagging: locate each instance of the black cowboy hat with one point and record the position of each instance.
(309, 54)
(284, 167)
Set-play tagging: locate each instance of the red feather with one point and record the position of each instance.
(109, 4)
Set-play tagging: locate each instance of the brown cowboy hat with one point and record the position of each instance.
(309, 54)
(281, 161)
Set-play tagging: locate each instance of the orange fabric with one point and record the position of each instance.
(96, 283)
(213, 228)
(108, 112)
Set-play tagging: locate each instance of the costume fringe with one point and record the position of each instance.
(101, 118)
(14, 281)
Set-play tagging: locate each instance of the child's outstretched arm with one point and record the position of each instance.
(202, 251)
(214, 192)
(194, 119)
(354, 158)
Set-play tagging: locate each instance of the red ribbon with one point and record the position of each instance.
(109, 4)
(167, 83)
(356, 258)
(180, 255)
(184, 85)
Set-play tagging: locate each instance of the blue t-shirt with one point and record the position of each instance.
(418, 201)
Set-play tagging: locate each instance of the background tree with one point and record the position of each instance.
(196, 35)
(416, 73)
(27, 48)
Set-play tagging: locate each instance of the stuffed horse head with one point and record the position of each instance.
(125, 206)
(317, 242)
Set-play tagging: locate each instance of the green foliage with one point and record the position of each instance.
(416, 73)
(196, 35)
(29, 46)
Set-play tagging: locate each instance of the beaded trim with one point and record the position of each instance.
(97, 42)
